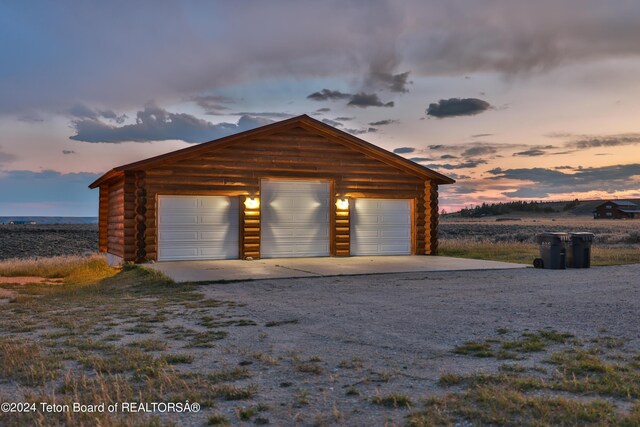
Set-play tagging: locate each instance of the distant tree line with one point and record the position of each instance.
(508, 207)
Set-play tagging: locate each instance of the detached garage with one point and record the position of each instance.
(296, 188)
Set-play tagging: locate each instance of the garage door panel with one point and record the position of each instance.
(294, 250)
(294, 218)
(175, 253)
(178, 236)
(380, 227)
(177, 219)
(226, 219)
(198, 227)
(177, 203)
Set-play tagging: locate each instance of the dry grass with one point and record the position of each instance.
(525, 253)
(616, 242)
(53, 267)
(579, 384)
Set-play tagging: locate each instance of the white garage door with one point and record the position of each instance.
(294, 218)
(197, 227)
(380, 227)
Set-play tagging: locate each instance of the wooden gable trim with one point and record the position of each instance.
(303, 121)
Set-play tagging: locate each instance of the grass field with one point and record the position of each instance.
(616, 242)
(92, 333)
(102, 334)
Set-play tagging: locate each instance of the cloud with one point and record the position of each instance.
(534, 152)
(383, 122)
(81, 111)
(481, 135)
(431, 38)
(470, 164)
(360, 131)
(404, 150)
(48, 193)
(421, 159)
(333, 123)
(6, 157)
(213, 104)
(68, 152)
(364, 100)
(345, 119)
(454, 107)
(268, 114)
(323, 110)
(448, 156)
(586, 142)
(156, 124)
(329, 95)
(479, 150)
(361, 99)
(389, 81)
(31, 118)
(544, 182)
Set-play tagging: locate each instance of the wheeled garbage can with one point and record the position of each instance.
(579, 251)
(553, 250)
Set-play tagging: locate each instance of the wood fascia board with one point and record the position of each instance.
(113, 173)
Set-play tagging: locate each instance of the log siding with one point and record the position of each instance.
(236, 170)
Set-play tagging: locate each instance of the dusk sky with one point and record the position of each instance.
(514, 99)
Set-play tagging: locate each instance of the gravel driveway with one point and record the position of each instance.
(403, 327)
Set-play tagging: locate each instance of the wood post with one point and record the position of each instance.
(249, 230)
(431, 218)
(342, 229)
(139, 216)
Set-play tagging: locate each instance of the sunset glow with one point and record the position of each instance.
(515, 100)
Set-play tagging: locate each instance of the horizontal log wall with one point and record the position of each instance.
(130, 247)
(237, 170)
(103, 218)
(115, 226)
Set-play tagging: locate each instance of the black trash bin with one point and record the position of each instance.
(553, 250)
(579, 251)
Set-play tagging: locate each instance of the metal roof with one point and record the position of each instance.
(623, 203)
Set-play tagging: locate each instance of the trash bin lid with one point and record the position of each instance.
(587, 237)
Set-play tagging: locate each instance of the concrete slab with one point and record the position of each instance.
(220, 270)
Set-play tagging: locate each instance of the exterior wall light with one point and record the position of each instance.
(342, 204)
(252, 203)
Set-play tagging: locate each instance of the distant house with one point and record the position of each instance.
(617, 209)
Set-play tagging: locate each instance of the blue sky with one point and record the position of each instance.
(514, 99)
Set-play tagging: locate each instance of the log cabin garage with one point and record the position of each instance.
(295, 188)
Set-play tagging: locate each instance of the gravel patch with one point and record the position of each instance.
(402, 328)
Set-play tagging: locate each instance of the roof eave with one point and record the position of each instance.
(104, 178)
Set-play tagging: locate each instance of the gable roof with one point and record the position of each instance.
(623, 203)
(303, 121)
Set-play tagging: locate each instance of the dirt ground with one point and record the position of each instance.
(28, 241)
(403, 327)
(315, 351)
